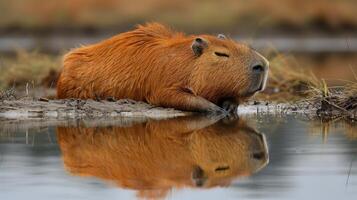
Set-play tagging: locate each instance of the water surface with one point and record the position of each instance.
(186, 158)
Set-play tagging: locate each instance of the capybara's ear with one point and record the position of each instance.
(198, 45)
(221, 36)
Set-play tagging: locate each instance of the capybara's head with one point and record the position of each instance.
(226, 67)
(156, 156)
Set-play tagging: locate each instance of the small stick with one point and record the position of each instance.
(27, 89)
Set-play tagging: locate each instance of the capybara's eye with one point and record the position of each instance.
(221, 54)
(222, 168)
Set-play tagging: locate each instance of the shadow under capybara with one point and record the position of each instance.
(165, 68)
(157, 156)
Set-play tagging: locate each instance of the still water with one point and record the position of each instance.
(193, 157)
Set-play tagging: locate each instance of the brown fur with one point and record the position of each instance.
(155, 156)
(156, 65)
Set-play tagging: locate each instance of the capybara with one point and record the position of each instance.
(165, 68)
(156, 156)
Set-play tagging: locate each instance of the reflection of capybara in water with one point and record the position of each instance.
(165, 68)
(155, 156)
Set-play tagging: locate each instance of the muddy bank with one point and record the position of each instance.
(72, 109)
(30, 114)
(90, 109)
(62, 112)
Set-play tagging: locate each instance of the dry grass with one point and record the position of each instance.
(8, 94)
(28, 69)
(336, 102)
(224, 15)
(293, 78)
(287, 75)
(288, 80)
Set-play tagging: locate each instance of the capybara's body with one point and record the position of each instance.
(164, 68)
(160, 155)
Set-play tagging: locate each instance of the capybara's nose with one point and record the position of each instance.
(259, 73)
(259, 155)
(259, 67)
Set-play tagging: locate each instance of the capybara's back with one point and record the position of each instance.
(165, 68)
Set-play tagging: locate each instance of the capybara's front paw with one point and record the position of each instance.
(111, 99)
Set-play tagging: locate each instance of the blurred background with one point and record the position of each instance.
(295, 35)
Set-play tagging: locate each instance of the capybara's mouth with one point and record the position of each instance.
(245, 95)
(258, 83)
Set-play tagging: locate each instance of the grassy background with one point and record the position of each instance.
(31, 68)
(202, 15)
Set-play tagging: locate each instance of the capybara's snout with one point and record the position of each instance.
(258, 73)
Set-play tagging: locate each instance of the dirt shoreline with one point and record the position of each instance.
(37, 114)
(75, 109)
(80, 109)
(65, 111)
